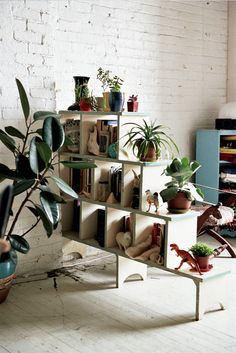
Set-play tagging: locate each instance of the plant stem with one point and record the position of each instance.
(33, 226)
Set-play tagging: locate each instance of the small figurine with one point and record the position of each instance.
(186, 257)
(152, 199)
(93, 147)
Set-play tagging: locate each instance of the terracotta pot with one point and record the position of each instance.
(204, 263)
(150, 156)
(85, 105)
(132, 106)
(180, 204)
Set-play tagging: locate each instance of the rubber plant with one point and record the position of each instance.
(35, 152)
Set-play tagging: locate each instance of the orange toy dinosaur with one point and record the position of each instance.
(186, 257)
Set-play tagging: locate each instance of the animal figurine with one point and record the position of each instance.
(123, 240)
(186, 257)
(152, 199)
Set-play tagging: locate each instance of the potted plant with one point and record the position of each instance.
(132, 103)
(87, 102)
(179, 192)
(35, 158)
(80, 81)
(116, 98)
(148, 139)
(202, 253)
(103, 77)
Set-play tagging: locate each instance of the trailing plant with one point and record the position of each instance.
(181, 171)
(201, 249)
(35, 156)
(143, 136)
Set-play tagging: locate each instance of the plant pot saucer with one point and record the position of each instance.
(210, 266)
(178, 210)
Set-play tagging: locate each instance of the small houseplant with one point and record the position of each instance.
(103, 77)
(180, 192)
(132, 103)
(116, 97)
(80, 81)
(87, 102)
(148, 139)
(202, 253)
(35, 156)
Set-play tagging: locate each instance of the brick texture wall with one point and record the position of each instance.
(173, 54)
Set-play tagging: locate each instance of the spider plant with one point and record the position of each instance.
(148, 140)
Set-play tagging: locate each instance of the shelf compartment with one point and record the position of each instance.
(114, 225)
(88, 220)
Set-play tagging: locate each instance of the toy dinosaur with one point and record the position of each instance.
(186, 257)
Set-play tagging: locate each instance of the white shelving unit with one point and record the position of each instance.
(179, 228)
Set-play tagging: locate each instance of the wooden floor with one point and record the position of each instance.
(80, 310)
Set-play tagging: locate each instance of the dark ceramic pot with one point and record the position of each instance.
(116, 101)
(132, 106)
(79, 80)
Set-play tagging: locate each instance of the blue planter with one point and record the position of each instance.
(116, 101)
(8, 264)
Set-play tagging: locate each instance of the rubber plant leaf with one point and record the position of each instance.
(56, 197)
(7, 141)
(19, 243)
(6, 173)
(50, 207)
(33, 210)
(64, 186)
(22, 186)
(53, 133)
(44, 151)
(12, 131)
(78, 164)
(48, 226)
(23, 99)
(23, 167)
(41, 115)
(36, 162)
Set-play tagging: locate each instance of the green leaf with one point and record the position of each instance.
(50, 207)
(78, 164)
(22, 186)
(36, 162)
(41, 115)
(169, 193)
(53, 133)
(56, 197)
(23, 99)
(19, 243)
(48, 226)
(12, 131)
(7, 141)
(33, 210)
(64, 186)
(6, 173)
(23, 167)
(44, 152)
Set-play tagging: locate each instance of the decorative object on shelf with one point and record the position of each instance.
(186, 257)
(203, 253)
(35, 154)
(123, 240)
(80, 81)
(103, 76)
(148, 140)
(179, 192)
(111, 198)
(100, 104)
(93, 146)
(116, 97)
(136, 191)
(112, 150)
(152, 199)
(132, 103)
(104, 139)
(72, 133)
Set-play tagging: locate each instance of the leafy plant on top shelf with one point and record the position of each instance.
(201, 249)
(148, 140)
(103, 77)
(35, 158)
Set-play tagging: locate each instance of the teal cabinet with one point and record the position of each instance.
(208, 144)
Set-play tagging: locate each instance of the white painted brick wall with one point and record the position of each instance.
(173, 54)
